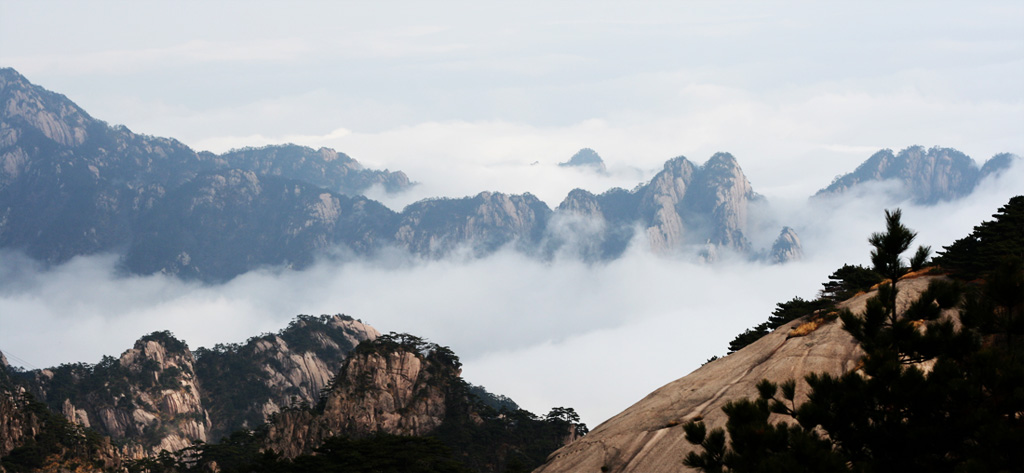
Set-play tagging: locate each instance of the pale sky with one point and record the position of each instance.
(464, 96)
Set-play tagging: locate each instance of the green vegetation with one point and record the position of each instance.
(480, 432)
(784, 313)
(53, 440)
(894, 414)
(989, 244)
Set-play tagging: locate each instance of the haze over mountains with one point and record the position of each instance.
(72, 185)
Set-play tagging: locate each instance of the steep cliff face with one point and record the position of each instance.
(926, 176)
(158, 396)
(244, 385)
(661, 204)
(648, 436)
(718, 200)
(34, 438)
(389, 388)
(483, 223)
(150, 395)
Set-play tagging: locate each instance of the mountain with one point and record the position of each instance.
(925, 176)
(320, 380)
(682, 205)
(72, 185)
(160, 396)
(586, 158)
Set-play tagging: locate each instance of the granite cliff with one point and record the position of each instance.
(648, 436)
(159, 396)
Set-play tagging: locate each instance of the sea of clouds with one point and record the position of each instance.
(562, 332)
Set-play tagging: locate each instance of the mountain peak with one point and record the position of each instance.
(585, 157)
(927, 176)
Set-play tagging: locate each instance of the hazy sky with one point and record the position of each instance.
(464, 96)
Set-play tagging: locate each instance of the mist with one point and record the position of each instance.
(467, 98)
(593, 336)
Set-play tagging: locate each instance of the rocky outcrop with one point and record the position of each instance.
(158, 396)
(386, 388)
(150, 395)
(648, 436)
(245, 385)
(586, 158)
(787, 247)
(34, 439)
(661, 204)
(924, 176)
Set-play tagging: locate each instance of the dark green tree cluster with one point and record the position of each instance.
(965, 413)
(847, 281)
(784, 313)
(51, 439)
(473, 436)
(240, 453)
(989, 244)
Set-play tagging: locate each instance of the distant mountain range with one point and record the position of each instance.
(73, 185)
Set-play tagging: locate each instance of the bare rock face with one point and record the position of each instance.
(159, 396)
(393, 390)
(648, 436)
(47, 113)
(149, 397)
(787, 247)
(720, 196)
(662, 203)
(247, 384)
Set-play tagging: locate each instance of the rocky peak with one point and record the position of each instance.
(660, 204)
(581, 202)
(787, 247)
(149, 398)
(52, 114)
(926, 176)
(720, 196)
(244, 385)
(396, 384)
(586, 157)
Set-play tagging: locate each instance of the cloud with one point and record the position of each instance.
(596, 337)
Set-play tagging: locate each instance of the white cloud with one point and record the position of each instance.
(595, 337)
